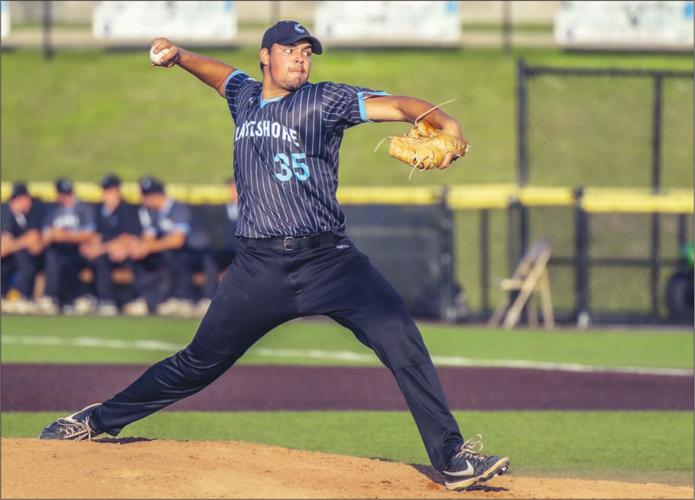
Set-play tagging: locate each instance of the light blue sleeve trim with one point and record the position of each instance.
(229, 77)
(183, 226)
(89, 227)
(360, 102)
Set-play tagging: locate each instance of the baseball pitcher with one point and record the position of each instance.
(294, 259)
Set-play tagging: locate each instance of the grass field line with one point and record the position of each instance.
(345, 356)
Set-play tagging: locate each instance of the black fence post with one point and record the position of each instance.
(656, 187)
(513, 243)
(682, 234)
(449, 310)
(581, 259)
(521, 122)
(47, 24)
(522, 138)
(654, 265)
(485, 262)
(656, 133)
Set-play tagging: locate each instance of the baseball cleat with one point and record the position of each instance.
(469, 466)
(75, 427)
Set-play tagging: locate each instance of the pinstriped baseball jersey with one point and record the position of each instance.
(286, 155)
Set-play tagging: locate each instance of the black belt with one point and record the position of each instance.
(289, 243)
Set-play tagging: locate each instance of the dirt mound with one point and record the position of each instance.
(138, 468)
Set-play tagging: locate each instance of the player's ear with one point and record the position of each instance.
(264, 56)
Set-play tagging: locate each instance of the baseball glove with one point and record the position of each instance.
(425, 147)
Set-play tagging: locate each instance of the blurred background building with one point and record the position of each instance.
(647, 25)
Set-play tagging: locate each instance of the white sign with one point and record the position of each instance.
(625, 24)
(403, 20)
(4, 18)
(188, 20)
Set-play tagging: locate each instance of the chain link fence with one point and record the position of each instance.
(607, 128)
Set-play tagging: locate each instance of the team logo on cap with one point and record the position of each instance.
(299, 28)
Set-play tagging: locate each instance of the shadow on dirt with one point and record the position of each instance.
(429, 472)
(127, 440)
(437, 477)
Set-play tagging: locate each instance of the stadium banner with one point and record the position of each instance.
(147, 19)
(639, 25)
(4, 18)
(420, 23)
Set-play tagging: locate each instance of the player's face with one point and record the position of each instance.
(65, 199)
(111, 197)
(289, 65)
(154, 201)
(21, 204)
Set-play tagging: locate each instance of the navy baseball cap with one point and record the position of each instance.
(19, 189)
(110, 181)
(149, 185)
(64, 185)
(287, 33)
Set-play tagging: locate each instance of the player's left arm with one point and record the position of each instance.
(407, 109)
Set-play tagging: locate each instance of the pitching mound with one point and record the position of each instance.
(137, 468)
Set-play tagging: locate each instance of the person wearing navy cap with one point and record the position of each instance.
(163, 267)
(70, 224)
(294, 257)
(117, 229)
(21, 248)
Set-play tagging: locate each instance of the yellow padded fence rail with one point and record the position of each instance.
(459, 197)
(637, 201)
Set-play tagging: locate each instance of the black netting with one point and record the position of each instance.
(596, 130)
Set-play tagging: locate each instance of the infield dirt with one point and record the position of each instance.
(139, 468)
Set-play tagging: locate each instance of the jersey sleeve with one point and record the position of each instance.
(5, 219)
(49, 217)
(146, 221)
(236, 80)
(342, 106)
(131, 221)
(181, 216)
(35, 216)
(87, 218)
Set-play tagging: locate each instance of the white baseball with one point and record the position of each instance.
(157, 58)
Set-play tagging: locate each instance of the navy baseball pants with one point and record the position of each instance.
(25, 265)
(266, 287)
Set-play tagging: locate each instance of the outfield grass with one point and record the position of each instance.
(616, 348)
(84, 113)
(647, 446)
(87, 112)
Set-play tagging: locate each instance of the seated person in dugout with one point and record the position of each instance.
(164, 258)
(118, 229)
(21, 249)
(70, 224)
(230, 246)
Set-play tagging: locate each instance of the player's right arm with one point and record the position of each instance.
(209, 70)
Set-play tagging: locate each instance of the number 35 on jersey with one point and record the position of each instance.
(292, 166)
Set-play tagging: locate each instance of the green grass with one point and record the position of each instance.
(88, 112)
(650, 446)
(616, 348)
(84, 113)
